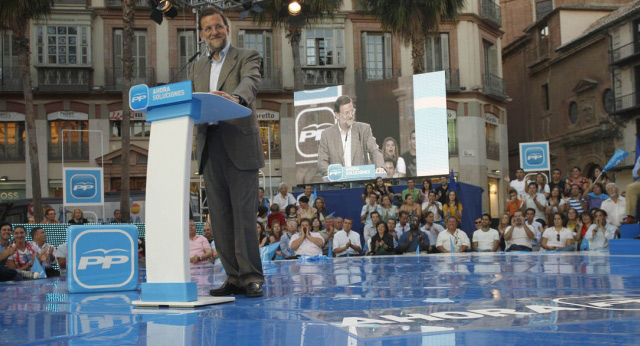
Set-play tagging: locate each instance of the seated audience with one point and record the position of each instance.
(78, 217)
(432, 229)
(600, 233)
(290, 212)
(555, 204)
(61, 257)
(486, 239)
(199, 247)
(285, 240)
(207, 232)
(402, 225)
(284, 198)
(536, 227)
(426, 187)
(275, 215)
(262, 200)
(557, 181)
(411, 207)
(44, 251)
(7, 249)
(263, 216)
(389, 211)
(50, 217)
(615, 206)
(338, 224)
(382, 241)
(327, 234)
(543, 187)
(414, 240)
(346, 242)
(367, 209)
(575, 199)
(117, 216)
(369, 229)
(368, 189)
(518, 236)
(573, 218)
(558, 238)
(583, 226)
(536, 202)
(274, 236)
(24, 254)
(391, 227)
(321, 208)
(433, 206)
(442, 192)
(308, 192)
(452, 207)
(505, 221)
(305, 211)
(382, 189)
(412, 190)
(595, 196)
(306, 242)
(263, 237)
(577, 179)
(452, 239)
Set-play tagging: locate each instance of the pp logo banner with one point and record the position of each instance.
(336, 172)
(534, 156)
(139, 97)
(102, 258)
(83, 186)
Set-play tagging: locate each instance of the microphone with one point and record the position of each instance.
(185, 65)
(210, 59)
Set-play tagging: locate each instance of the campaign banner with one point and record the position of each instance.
(83, 186)
(534, 156)
(338, 173)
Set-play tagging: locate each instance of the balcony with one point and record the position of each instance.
(10, 79)
(627, 103)
(63, 79)
(12, 152)
(452, 78)
(453, 147)
(494, 86)
(318, 77)
(271, 79)
(491, 11)
(626, 54)
(493, 150)
(369, 74)
(113, 79)
(118, 3)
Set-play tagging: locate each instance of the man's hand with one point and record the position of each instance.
(349, 244)
(8, 251)
(193, 259)
(225, 95)
(410, 237)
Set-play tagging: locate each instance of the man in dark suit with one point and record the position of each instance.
(349, 143)
(230, 154)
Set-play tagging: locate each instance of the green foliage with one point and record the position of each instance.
(15, 14)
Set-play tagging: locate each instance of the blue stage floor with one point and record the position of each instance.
(470, 299)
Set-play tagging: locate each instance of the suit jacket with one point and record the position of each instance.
(240, 76)
(362, 143)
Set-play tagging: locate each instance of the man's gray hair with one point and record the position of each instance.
(614, 185)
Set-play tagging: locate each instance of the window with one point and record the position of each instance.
(376, 55)
(545, 96)
(490, 58)
(8, 52)
(140, 129)
(573, 112)
(270, 136)
(139, 53)
(76, 144)
(436, 53)
(187, 47)
(322, 47)
(451, 133)
(12, 139)
(63, 45)
(544, 32)
(261, 41)
(543, 8)
(607, 101)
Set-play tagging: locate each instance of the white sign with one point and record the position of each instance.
(491, 119)
(266, 114)
(67, 115)
(11, 116)
(117, 115)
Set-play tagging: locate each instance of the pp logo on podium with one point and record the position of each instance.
(102, 258)
(83, 186)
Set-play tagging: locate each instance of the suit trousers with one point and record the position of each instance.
(232, 197)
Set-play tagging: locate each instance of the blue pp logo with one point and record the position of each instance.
(334, 172)
(534, 156)
(104, 259)
(84, 186)
(139, 97)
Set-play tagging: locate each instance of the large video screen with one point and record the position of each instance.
(391, 128)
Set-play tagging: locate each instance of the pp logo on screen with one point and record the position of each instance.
(334, 172)
(310, 123)
(84, 186)
(534, 156)
(104, 259)
(139, 97)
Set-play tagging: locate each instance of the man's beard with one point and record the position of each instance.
(213, 49)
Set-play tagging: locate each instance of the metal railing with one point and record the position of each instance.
(12, 152)
(493, 150)
(494, 85)
(491, 11)
(369, 74)
(624, 52)
(64, 78)
(452, 78)
(626, 102)
(271, 79)
(10, 79)
(113, 79)
(118, 3)
(322, 76)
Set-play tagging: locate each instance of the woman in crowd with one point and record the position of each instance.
(411, 207)
(595, 195)
(50, 217)
(382, 241)
(368, 189)
(389, 211)
(381, 189)
(261, 199)
(556, 203)
(78, 217)
(572, 219)
(263, 238)
(543, 187)
(453, 207)
(263, 216)
(24, 255)
(426, 187)
(321, 208)
(558, 238)
(290, 212)
(576, 178)
(276, 232)
(586, 220)
(597, 178)
(390, 151)
(316, 225)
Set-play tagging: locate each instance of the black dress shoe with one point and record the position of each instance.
(227, 289)
(253, 290)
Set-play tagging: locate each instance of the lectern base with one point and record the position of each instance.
(202, 301)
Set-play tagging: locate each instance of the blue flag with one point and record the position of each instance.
(452, 182)
(38, 268)
(453, 249)
(617, 157)
(637, 153)
(315, 193)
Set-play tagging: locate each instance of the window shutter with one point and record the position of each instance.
(363, 44)
(268, 54)
(493, 59)
(388, 56)
(241, 38)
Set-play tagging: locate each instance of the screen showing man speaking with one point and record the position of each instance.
(391, 128)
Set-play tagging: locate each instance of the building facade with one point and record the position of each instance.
(77, 80)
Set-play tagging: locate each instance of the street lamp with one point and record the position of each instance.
(294, 8)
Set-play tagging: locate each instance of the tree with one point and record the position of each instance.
(128, 14)
(15, 16)
(413, 20)
(313, 11)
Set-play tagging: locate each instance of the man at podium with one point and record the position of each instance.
(230, 154)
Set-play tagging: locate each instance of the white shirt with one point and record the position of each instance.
(345, 140)
(536, 227)
(61, 251)
(307, 247)
(529, 203)
(518, 237)
(436, 210)
(519, 186)
(283, 202)
(597, 239)
(486, 239)
(615, 211)
(369, 231)
(368, 209)
(552, 236)
(311, 199)
(45, 247)
(216, 67)
(432, 232)
(400, 229)
(458, 239)
(401, 167)
(341, 239)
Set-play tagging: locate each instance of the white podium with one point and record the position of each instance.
(172, 111)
